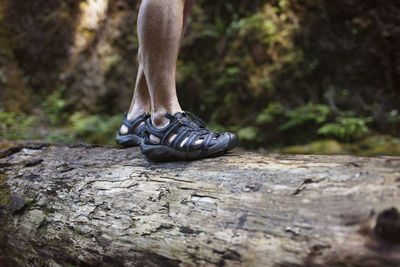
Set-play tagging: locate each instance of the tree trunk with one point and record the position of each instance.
(96, 205)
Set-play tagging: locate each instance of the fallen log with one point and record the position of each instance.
(94, 205)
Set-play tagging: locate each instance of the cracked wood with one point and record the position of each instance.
(91, 204)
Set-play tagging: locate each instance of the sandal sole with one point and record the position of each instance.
(128, 140)
(164, 153)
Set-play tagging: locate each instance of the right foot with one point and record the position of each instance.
(131, 132)
(184, 139)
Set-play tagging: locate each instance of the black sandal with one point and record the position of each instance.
(183, 146)
(132, 137)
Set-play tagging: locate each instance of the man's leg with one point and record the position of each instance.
(141, 99)
(160, 25)
(180, 135)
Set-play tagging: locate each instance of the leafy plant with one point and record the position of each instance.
(346, 128)
(269, 114)
(15, 126)
(95, 128)
(249, 133)
(308, 113)
(54, 106)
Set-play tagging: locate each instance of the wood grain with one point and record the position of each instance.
(94, 205)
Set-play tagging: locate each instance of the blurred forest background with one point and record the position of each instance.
(295, 76)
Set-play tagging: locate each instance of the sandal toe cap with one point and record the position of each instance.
(233, 141)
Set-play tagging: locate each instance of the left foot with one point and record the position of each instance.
(131, 131)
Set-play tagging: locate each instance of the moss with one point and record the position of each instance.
(370, 146)
(4, 196)
(78, 231)
(317, 147)
(4, 144)
(4, 191)
(42, 230)
(376, 145)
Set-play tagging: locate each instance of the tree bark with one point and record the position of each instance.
(95, 205)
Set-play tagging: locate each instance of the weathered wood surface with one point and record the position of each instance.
(88, 205)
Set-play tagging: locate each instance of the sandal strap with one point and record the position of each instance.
(150, 130)
(207, 141)
(179, 139)
(131, 124)
(199, 121)
(168, 132)
(192, 140)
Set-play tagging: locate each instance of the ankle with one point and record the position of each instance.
(158, 112)
(158, 119)
(132, 114)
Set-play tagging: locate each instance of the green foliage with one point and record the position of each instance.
(269, 114)
(257, 52)
(95, 128)
(241, 50)
(346, 128)
(61, 135)
(54, 107)
(15, 126)
(249, 133)
(304, 114)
